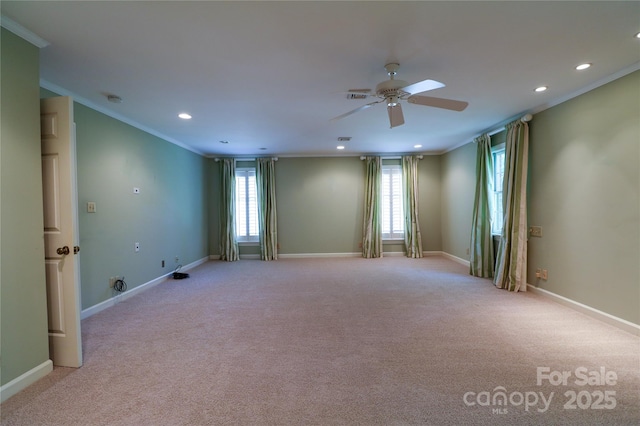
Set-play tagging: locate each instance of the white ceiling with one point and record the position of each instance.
(266, 76)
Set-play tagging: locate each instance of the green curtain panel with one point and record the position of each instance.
(412, 236)
(511, 266)
(267, 217)
(481, 257)
(372, 228)
(228, 243)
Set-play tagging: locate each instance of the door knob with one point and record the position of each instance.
(63, 250)
(76, 249)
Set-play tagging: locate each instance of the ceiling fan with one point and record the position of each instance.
(393, 91)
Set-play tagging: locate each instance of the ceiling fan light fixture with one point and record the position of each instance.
(392, 101)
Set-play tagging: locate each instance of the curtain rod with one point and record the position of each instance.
(216, 159)
(525, 118)
(397, 157)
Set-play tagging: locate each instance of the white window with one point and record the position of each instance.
(392, 211)
(246, 205)
(497, 216)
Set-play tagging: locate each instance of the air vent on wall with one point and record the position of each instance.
(358, 93)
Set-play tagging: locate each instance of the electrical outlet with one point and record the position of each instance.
(538, 273)
(112, 281)
(535, 231)
(91, 207)
(163, 263)
(545, 275)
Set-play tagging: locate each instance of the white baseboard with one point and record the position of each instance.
(323, 255)
(292, 255)
(456, 259)
(312, 255)
(347, 254)
(250, 256)
(392, 254)
(28, 378)
(588, 310)
(86, 313)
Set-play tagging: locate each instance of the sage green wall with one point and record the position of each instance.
(24, 341)
(584, 186)
(458, 178)
(169, 218)
(430, 203)
(320, 205)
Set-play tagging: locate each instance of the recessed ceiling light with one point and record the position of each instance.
(340, 147)
(638, 35)
(583, 66)
(417, 146)
(184, 116)
(541, 88)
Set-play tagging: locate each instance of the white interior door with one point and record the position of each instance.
(62, 262)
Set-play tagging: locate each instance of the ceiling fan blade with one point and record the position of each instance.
(353, 111)
(396, 118)
(438, 102)
(422, 86)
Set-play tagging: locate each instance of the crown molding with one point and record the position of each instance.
(605, 80)
(557, 101)
(22, 32)
(64, 92)
(39, 42)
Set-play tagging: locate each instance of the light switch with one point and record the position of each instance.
(91, 207)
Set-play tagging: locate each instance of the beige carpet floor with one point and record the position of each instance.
(344, 341)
